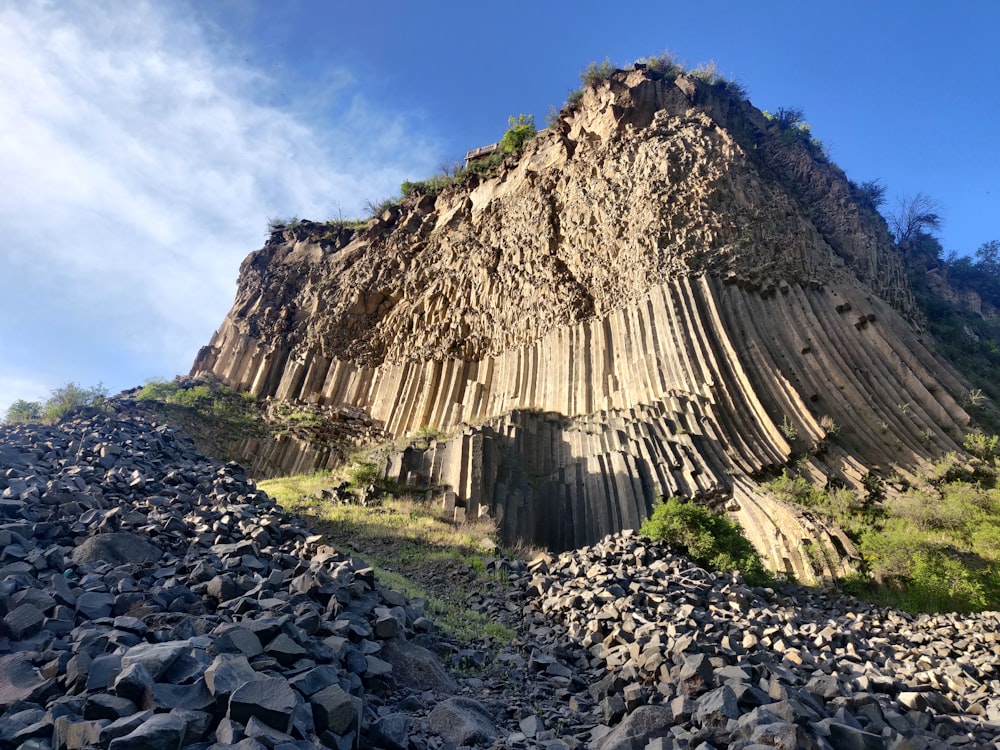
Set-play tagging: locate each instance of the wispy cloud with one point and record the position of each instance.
(139, 159)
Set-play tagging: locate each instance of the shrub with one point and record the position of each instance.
(377, 208)
(69, 398)
(787, 117)
(980, 445)
(363, 474)
(552, 116)
(430, 186)
(919, 574)
(710, 539)
(665, 64)
(595, 72)
(23, 411)
(158, 389)
(708, 73)
(520, 129)
(277, 224)
(574, 98)
(788, 428)
(486, 164)
(869, 192)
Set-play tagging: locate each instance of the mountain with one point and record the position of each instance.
(667, 292)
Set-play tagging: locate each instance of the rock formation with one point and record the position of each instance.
(664, 293)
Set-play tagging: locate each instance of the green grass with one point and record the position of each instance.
(413, 546)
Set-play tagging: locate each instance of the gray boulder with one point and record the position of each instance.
(117, 548)
(463, 721)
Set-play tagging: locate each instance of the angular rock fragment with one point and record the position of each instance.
(336, 710)
(158, 732)
(269, 699)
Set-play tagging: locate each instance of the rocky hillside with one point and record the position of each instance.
(667, 292)
(154, 599)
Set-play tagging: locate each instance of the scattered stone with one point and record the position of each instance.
(270, 699)
(116, 548)
(336, 709)
(158, 732)
(463, 721)
(615, 642)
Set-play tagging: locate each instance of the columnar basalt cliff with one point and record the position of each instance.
(663, 293)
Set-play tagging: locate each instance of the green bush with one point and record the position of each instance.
(932, 548)
(430, 186)
(981, 446)
(158, 389)
(520, 129)
(363, 474)
(665, 64)
(871, 193)
(918, 573)
(69, 398)
(709, 539)
(596, 72)
(277, 224)
(574, 98)
(838, 506)
(486, 164)
(708, 73)
(22, 411)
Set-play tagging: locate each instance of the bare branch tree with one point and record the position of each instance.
(920, 214)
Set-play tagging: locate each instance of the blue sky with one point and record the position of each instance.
(144, 145)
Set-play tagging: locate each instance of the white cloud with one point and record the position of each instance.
(138, 164)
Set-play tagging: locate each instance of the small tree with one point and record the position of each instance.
(519, 130)
(71, 397)
(914, 216)
(23, 411)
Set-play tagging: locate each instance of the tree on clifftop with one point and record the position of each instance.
(914, 216)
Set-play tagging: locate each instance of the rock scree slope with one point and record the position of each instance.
(153, 598)
(664, 293)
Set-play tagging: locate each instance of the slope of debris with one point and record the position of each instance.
(153, 598)
(651, 647)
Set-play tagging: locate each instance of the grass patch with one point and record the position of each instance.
(213, 415)
(414, 547)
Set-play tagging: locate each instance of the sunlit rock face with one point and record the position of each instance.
(665, 293)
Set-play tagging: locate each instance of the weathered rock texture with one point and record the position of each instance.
(688, 294)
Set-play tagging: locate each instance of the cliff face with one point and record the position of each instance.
(663, 293)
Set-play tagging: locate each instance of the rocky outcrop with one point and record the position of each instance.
(691, 293)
